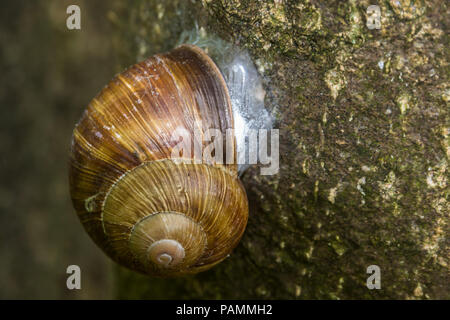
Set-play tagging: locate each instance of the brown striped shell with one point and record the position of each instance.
(146, 210)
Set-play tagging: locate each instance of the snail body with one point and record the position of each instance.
(147, 210)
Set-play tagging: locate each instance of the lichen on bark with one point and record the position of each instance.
(364, 146)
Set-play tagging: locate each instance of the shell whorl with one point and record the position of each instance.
(167, 240)
(147, 211)
(198, 206)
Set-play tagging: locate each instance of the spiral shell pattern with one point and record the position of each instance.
(148, 211)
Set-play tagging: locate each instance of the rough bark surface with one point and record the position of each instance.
(364, 147)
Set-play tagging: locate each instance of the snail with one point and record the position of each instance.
(147, 210)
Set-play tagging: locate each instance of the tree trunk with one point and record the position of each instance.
(364, 147)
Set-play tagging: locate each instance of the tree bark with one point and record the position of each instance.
(364, 147)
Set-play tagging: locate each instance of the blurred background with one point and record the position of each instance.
(48, 76)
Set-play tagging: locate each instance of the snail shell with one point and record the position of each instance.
(146, 210)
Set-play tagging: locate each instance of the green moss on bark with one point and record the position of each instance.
(363, 119)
